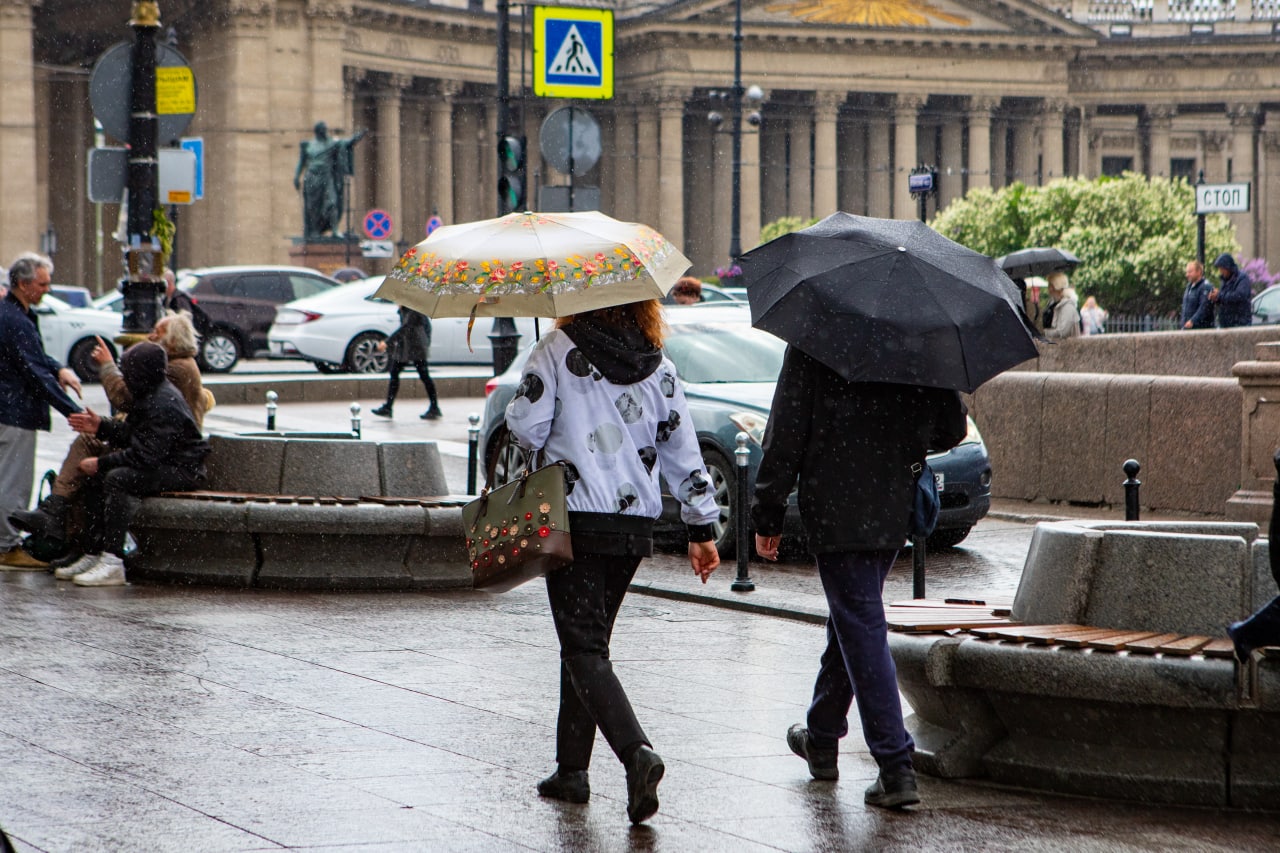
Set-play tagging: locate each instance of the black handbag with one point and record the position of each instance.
(519, 531)
(925, 504)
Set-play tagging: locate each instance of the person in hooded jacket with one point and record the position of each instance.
(407, 345)
(157, 448)
(598, 394)
(854, 448)
(1234, 296)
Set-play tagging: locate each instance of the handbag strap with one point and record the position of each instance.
(531, 460)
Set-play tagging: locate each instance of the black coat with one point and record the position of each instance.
(28, 376)
(410, 343)
(851, 446)
(160, 435)
(181, 303)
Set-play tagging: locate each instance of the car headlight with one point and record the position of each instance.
(972, 436)
(751, 423)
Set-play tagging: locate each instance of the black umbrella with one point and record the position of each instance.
(1040, 260)
(881, 300)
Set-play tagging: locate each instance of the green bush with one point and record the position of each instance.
(1133, 235)
(783, 225)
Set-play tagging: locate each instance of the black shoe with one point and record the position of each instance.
(48, 519)
(383, 411)
(644, 772)
(432, 414)
(822, 762)
(571, 786)
(893, 790)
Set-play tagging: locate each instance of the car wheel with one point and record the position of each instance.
(328, 367)
(504, 456)
(219, 351)
(724, 483)
(948, 538)
(80, 362)
(363, 355)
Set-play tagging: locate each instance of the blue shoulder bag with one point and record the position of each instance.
(925, 504)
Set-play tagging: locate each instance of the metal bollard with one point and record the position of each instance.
(742, 583)
(272, 396)
(1131, 510)
(355, 419)
(917, 567)
(473, 451)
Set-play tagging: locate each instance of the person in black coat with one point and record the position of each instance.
(851, 446)
(1263, 627)
(409, 344)
(180, 302)
(158, 448)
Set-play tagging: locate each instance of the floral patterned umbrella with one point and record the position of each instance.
(534, 265)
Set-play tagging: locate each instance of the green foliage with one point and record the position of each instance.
(783, 225)
(1133, 236)
(163, 229)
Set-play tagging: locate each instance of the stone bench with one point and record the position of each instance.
(1157, 726)
(308, 514)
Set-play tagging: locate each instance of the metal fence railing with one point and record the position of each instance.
(1140, 323)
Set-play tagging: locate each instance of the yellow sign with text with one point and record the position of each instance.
(175, 90)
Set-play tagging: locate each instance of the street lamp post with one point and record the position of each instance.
(143, 286)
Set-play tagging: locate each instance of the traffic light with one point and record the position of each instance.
(511, 174)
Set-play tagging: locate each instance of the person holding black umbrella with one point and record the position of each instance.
(885, 322)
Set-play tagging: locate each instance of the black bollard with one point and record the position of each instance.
(272, 396)
(355, 419)
(742, 583)
(917, 567)
(473, 451)
(1131, 469)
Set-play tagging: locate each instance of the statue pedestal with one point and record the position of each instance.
(327, 254)
(1260, 424)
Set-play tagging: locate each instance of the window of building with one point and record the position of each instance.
(1116, 166)
(1183, 167)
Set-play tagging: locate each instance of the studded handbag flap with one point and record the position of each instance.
(519, 531)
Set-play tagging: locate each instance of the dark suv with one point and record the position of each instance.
(241, 304)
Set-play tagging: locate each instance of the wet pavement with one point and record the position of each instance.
(167, 718)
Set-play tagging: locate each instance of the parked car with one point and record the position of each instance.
(69, 334)
(339, 331)
(241, 302)
(73, 295)
(1266, 306)
(729, 370)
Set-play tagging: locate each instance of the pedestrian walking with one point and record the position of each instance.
(1061, 318)
(407, 345)
(30, 382)
(599, 395)
(180, 302)
(853, 447)
(1197, 307)
(1093, 317)
(1234, 296)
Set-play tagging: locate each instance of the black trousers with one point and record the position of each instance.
(585, 598)
(393, 384)
(112, 500)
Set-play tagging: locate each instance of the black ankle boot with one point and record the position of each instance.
(383, 411)
(48, 519)
(432, 414)
(571, 786)
(644, 772)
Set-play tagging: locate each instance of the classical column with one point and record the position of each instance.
(1244, 168)
(951, 161)
(1159, 127)
(440, 164)
(999, 152)
(879, 167)
(853, 164)
(647, 162)
(826, 111)
(906, 112)
(1026, 150)
(389, 154)
(800, 185)
(670, 220)
(1268, 193)
(1053, 163)
(624, 153)
(773, 151)
(700, 201)
(980, 140)
(749, 226)
(722, 147)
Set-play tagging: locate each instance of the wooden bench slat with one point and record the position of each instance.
(1151, 645)
(1022, 633)
(1185, 646)
(1079, 639)
(1219, 648)
(1116, 644)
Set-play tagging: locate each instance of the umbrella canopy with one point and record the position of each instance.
(534, 265)
(880, 300)
(1040, 260)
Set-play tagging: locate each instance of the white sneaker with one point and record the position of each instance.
(108, 572)
(80, 566)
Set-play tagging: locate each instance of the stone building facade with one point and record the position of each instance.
(857, 92)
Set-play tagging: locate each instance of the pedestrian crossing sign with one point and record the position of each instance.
(572, 52)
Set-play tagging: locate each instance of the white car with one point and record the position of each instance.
(339, 331)
(69, 334)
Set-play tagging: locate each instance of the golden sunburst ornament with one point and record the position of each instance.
(868, 13)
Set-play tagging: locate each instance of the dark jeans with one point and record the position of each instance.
(585, 597)
(857, 660)
(393, 384)
(112, 500)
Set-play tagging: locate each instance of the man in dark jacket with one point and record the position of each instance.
(180, 302)
(30, 382)
(1234, 297)
(1197, 310)
(157, 448)
(851, 446)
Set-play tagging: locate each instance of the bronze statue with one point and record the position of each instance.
(327, 162)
